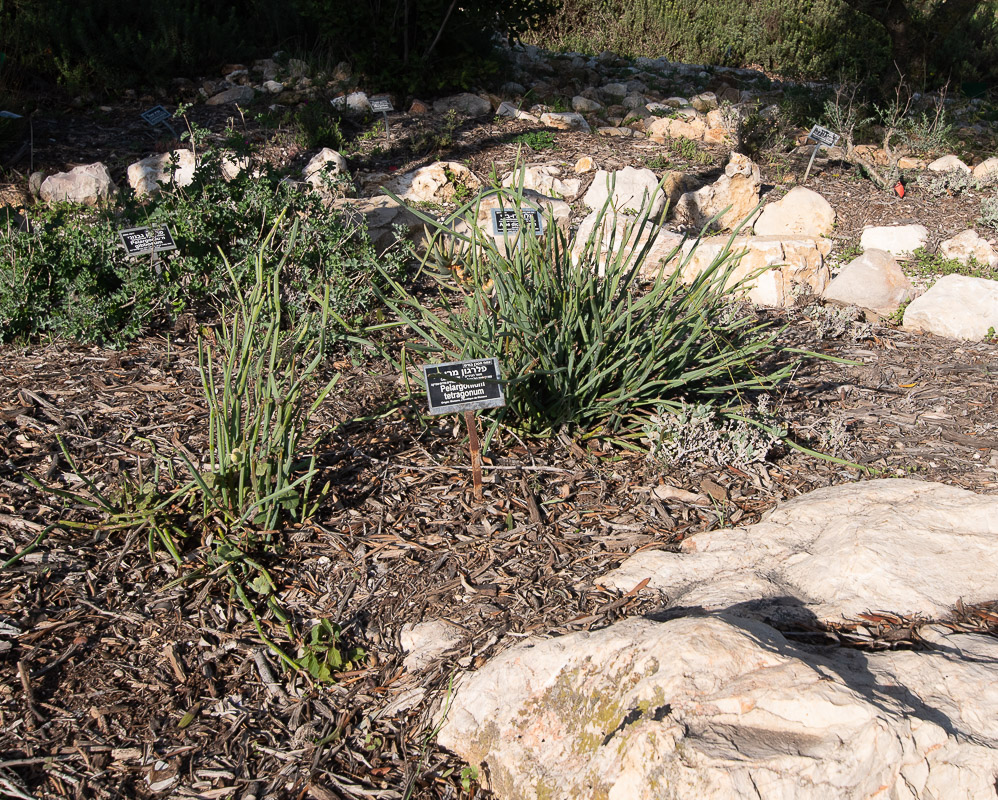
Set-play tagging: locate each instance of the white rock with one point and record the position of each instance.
(620, 236)
(772, 266)
(801, 212)
(507, 109)
(354, 103)
(380, 215)
(957, 307)
(273, 87)
(631, 188)
(565, 121)
(685, 127)
(948, 163)
(839, 551)
(546, 179)
(465, 103)
(967, 245)
(873, 282)
(898, 240)
(240, 95)
(987, 171)
(436, 183)
(89, 184)
(719, 707)
(148, 176)
(735, 193)
(584, 104)
(326, 162)
(584, 164)
(425, 641)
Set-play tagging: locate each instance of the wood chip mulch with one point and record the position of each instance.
(115, 685)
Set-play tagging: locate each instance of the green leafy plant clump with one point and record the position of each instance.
(65, 275)
(582, 344)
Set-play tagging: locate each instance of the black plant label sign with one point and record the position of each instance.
(823, 136)
(138, 241)
(506, 221)
(156, 115)
(463, 386)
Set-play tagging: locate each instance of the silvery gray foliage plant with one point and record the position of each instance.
(698, 432)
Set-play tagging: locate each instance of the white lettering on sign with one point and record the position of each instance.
(463, 385)
(823, 136)
(507, 220)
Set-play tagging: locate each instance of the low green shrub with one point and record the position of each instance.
(67, 275)
(582, 345)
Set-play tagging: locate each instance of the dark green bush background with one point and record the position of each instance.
(931, 40)
(426, 45)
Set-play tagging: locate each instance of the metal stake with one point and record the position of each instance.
(809, 163)
(476, 453)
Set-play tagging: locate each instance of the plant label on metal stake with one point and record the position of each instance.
(822, 136)
(157, 115)
(506, 223)
(139, 241)
(382, 105)
(465, 386)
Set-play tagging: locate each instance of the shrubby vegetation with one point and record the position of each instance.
(67, 276)
(402, 45)
(932, 41)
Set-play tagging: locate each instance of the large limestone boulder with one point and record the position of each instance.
(802, 212)
(150, 175)
(465, 103)
(776, 267)
(838, 551)
(89, 184)
(720, 707)
(619, 236)
(631, 188)
(379, 215)
(735, 193)
(968, 245)
(440, 182)
(957, 307)
(898, 240)
(546, 179)
(687, 125)
(873, 282)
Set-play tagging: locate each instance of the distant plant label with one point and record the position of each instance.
(156, 115)
(139, 241)
(507, 221)
(463, 386)
(381, 105)
(823, 136)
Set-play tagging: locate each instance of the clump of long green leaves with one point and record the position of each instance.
(581, 341)
(257, 406)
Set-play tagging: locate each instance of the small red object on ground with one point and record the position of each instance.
(899, 189)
